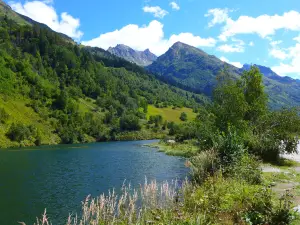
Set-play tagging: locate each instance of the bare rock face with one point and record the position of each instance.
(141, 58)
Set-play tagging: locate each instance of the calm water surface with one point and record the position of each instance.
(60, 177)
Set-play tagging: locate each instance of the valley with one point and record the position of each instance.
(181, 137)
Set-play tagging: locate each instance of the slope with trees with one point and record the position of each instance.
(72, 93)
(192, 69)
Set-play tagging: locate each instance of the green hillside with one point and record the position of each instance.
(5, 10)
(194, 70)
(171, 114)
(53, 91)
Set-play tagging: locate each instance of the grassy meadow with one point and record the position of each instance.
(170, 114)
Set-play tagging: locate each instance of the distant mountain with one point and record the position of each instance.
(111, 60)
(267, 72)
(192, 69)
(141, 58)
(189, 68)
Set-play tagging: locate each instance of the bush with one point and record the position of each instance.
(274, 134)
(19, 132)
(3, 116)
(157, 120)
(130, 122)
(183, 116)
(230, 147)
(247, 169)
(173, 128)
(232, 201)
(203, 165)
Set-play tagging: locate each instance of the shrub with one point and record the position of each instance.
(274, 134)
(230, 147)
(203, 165)
(283, 214)
(173, 128)
(129, 122)
(232, 201)
(246, 169)
(3, 116)
(18, 132)
(183, 116)
(157, 120)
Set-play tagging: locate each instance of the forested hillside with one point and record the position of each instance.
(53, 91)
(194, 70)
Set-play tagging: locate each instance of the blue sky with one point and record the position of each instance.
(263, 32)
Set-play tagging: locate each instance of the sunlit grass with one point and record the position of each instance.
(185, 149)
(170, 114)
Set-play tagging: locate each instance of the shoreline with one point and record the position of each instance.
(14, 147)
(185, 150)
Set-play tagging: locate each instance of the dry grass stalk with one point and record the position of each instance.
(132, 206)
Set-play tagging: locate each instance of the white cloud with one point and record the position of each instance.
(174, 6)
(219, 16)
(237, 46)
(278, 54)
(263, 25)
(297, 39)
(251, 43)
(275, 43)
(276, 51)
(293, 66)
(230, 48)
(236, 64)
(156, 11)
(44, 12)
(148, 36)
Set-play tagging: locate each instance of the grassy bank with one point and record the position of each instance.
(184, 149)
(218, 200)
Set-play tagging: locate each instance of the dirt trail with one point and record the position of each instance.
(291, 173)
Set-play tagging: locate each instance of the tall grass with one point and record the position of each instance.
(151, 203)
(218, 200)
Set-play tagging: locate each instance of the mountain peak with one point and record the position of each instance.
(148, 51)
(141, 58)
(189, 67)
(179, 44)
(122, 46)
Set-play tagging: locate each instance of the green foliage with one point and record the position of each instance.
(20, 132)
(53, 75)
(274, 134)
(238, 119)
(183, 116)
(247, 169)
(232, 201)
(254, 93)
(3, 116)
(203, 165)
(194, 70)
(173, 128)
(157, 120)
(241, 102)
(229, 147)
(129, 122)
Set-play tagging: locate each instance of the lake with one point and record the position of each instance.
(60, 177)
